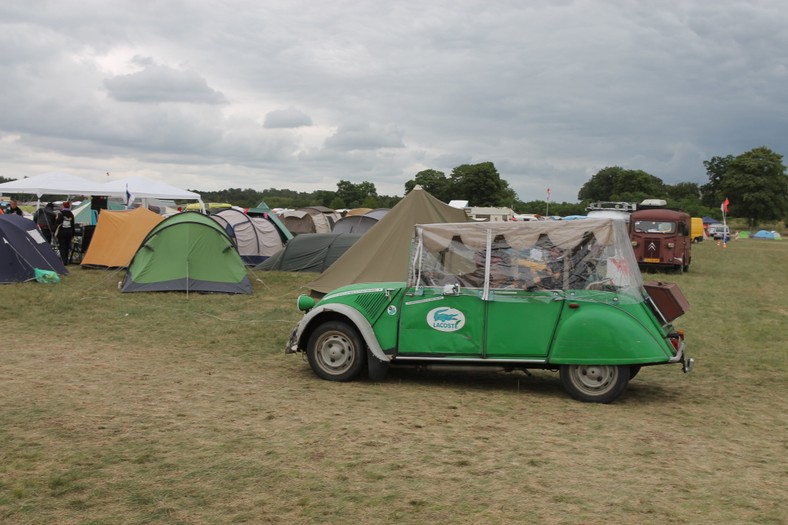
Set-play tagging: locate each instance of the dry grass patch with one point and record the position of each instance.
(158, 408)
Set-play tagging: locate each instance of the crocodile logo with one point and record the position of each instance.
(445, 319)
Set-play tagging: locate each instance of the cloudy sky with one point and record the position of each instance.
(300, 94)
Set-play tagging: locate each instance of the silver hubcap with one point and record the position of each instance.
(594, 379)
(335, 352)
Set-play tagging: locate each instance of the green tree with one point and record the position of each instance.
(433, 182)
(683, 191)
(337, 204)
(716, 167)
(354, 195)
(481, 185)
(556, 208)
(757, 186)
(615, 183)
(370, 201)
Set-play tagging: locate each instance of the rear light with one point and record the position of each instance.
(676, 338)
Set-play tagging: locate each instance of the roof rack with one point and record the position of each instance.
(616, 206)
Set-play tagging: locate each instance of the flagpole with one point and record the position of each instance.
(547, 211)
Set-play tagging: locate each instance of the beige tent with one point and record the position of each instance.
(118, 235)
(382, 253)
(312, 219)
(357, 211)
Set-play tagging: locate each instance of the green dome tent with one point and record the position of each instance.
(188, 252)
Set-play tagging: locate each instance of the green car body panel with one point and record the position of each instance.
(515, 310)
(554, 330)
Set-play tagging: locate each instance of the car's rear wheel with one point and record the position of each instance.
(336, 351)
(595, 383)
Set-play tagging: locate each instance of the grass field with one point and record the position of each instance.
(167, 408)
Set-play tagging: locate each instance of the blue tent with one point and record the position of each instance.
(763, 234)
(709, 220)
(23, 249)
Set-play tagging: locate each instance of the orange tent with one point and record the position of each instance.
(117, 237)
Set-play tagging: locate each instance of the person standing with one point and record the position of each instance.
(65, 231)
(13, 208)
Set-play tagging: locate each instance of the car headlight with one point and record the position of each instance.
(305, 303)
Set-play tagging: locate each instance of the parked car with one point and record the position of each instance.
(565, 296)
(719, 231)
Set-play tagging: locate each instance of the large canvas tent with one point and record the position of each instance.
(117, 237)
(23, 249)
(382, 254)
(67, 184)
(52, 183)
(310, 252)
(188, 252)
(256, 238)
(145, 188)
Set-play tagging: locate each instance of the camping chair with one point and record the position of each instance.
(77, 252)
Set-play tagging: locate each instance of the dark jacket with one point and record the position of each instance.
(64, 223)
(45, 218)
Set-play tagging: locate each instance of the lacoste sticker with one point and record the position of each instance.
(446, 319)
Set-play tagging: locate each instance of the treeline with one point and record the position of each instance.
(755, 182)
(284, 198)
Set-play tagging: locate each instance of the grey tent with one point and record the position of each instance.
(256, 238)
(310, 252)
(382, 254)
(311, 219)
(262, 210)
(359, 223)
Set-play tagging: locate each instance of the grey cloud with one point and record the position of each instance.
(362, 136)
(547, 91)
(162, 84)
(287, 118)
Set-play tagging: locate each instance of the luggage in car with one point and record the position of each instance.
(668, 299)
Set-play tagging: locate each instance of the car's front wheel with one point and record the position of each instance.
(595, 383)
(336, 351)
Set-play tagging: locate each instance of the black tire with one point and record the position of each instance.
(336, 351)
(633, 371)
(595, 383)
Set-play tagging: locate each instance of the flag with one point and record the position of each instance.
(129, 197)
(548, 194)
(724, 205)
